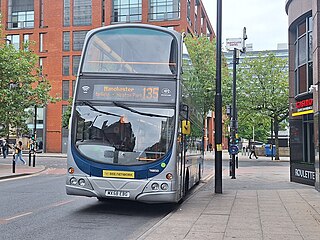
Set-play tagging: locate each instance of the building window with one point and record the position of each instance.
(103, 8)
(303, 56)
(20, 14)
(78, 40)
(41, 66)
(127, 10)
(189, 11)
(164, 9)
(65, 65)
(65, 90)
(66, 13)
(66, 41)
(73, 86)
(82, 12)
(75, 64)
(26, 39)
(41, 42)
(14, 40)
(41, 13)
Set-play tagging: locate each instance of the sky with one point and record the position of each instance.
(266, 21)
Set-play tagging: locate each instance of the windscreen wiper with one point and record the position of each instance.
(121, 105)
(99, 111)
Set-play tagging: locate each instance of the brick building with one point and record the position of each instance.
(58, 29)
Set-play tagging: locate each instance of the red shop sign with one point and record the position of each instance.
(304, 103)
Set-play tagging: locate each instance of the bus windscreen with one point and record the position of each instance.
(132, 51)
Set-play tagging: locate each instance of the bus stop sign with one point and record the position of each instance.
(233, 149)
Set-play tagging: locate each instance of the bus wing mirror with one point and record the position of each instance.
(186, 127)
(184, 110)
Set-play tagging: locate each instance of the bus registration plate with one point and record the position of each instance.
(112, 193)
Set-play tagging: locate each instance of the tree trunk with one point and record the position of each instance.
(276, 137)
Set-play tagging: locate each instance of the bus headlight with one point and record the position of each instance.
(73, 181)
(155, 186)
(82, 182)
(164, 186)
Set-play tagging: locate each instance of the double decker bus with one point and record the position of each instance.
(134, 133)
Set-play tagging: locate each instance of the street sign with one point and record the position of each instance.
(232, 43)
(233, 149)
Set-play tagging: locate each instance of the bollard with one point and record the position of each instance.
(34, 160)
(230, 167)
(13, 165)
(29, 158)
(237, 162)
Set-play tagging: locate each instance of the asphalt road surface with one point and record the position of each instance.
(37, 207)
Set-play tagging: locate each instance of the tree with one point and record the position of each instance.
(67, 114)
(21, 87)
(262, 92)
(201, 82)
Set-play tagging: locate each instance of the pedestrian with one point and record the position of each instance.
(253, 151)
(5, 148)
(18, 153)
(210, 147)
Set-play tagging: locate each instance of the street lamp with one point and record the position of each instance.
(218, 105)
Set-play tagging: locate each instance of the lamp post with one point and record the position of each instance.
(218, 105)
(234, 118)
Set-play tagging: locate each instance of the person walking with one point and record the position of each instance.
(5, 148)
(253, 151)
(18, 153)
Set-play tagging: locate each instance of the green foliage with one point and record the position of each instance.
(67, 114)
(262, 94)
(20, 87)
(201, 79)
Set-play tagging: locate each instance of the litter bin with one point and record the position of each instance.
(269, 151)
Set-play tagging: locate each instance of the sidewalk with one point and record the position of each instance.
(20, 170)
(23, 170)
(260, 204)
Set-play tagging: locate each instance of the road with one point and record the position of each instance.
(37, 207)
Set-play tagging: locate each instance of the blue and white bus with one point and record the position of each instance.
(134, 133)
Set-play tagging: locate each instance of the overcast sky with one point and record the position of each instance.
(266, 21)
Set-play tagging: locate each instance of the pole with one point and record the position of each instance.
(253, 133)
(13, 164)
(271, 147)
(218, 105)
(234, 113)
(34, 160)
(35, 126)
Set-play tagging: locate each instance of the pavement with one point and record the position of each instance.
(6, 167)
(261, 203)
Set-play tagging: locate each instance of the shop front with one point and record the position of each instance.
(302, 157)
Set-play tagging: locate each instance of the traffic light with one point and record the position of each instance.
(33, 137)
(237, 138)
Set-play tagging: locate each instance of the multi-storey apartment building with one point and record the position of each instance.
(58, 29)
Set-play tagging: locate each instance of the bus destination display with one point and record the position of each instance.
(126, 93)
